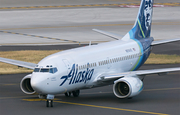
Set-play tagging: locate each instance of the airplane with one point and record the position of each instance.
(114, 62)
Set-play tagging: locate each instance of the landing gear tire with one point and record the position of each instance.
(49, 103)
(68, 94)
(76, 93)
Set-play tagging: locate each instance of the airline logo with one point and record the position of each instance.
(148, 13)
(77, 76)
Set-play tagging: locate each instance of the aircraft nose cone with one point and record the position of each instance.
(36, 84)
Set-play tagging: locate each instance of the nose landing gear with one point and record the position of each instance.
(49, 98)
(49, 101)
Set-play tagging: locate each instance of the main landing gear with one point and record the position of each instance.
(75, 93)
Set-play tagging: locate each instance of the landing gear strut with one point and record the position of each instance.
(49, 101)
(75, 93)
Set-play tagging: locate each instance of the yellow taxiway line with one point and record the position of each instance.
(97, 106)
(112, 108)
(71, 41)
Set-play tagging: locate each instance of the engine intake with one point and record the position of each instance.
(26, 85)
(127, 87)
(123, 88)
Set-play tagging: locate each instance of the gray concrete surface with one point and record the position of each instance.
(15, 3)
(77, 24)
(20, 3)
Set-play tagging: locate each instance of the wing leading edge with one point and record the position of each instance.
(18, 63)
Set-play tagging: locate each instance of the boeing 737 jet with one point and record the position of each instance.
(114, 62)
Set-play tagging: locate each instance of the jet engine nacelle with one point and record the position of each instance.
(127, 87)
(26, 85)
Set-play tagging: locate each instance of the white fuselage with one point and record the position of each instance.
(89, 62)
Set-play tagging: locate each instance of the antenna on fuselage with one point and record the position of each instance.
(89, 43)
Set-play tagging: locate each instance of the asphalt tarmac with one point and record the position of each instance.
(70, 25)
(161, 96)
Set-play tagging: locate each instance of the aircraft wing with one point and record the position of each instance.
(110, 77)
(164, 41)
(18, 63)
(109, 34)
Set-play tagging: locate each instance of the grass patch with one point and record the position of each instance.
(34, 56)
(163, 59)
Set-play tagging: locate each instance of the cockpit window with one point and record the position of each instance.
(51, 70)
(55, 70)
(46, 70)
(36, 69)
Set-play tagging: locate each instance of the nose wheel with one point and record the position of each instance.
(49, 103)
